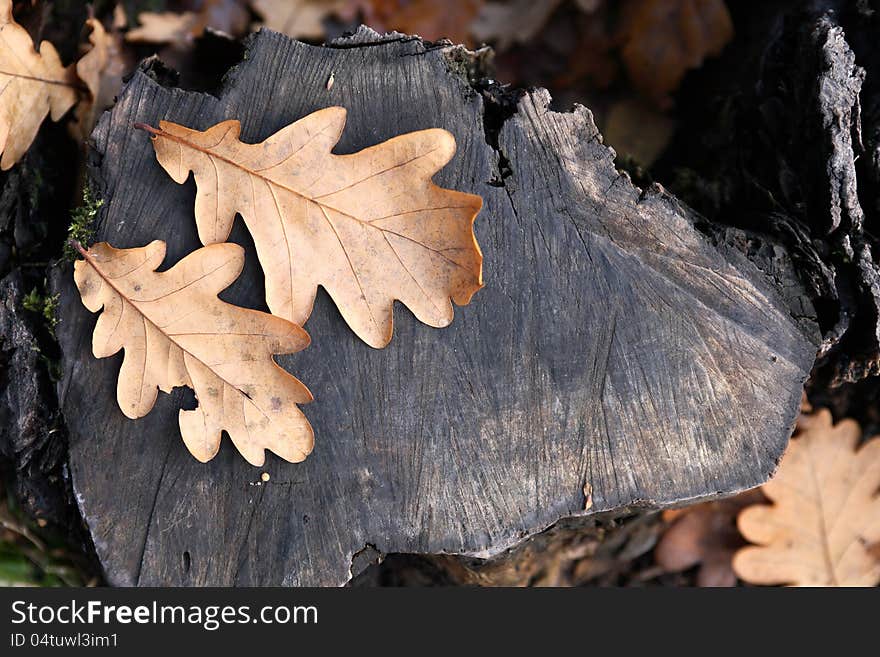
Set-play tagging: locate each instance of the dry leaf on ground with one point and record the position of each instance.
(227, 16)
(120, 17)
(662, 39)
(505, 24)
(637, 130)
(167, 27)
(369, 227)
(705, 535)
(594, 58)
(823, 528)
(101, 70)
(429, 19)
(300, 18)
(176, 332)
(180, 29)
(32, 85)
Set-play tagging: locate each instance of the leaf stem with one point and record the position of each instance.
(148, 128)
(79, 247)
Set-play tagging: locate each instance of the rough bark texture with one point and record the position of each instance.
(33, 447)
(30, 440)
(593, 550)
(617, 357)
(785, 141)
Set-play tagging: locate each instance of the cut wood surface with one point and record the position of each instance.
(616, 356)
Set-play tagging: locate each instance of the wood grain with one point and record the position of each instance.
(613, 346)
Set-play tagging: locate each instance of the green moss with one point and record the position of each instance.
(46, 306)
(33, 301)
(42, 304)
(82, 222)
(50, 309)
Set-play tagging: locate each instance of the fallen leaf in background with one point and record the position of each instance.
(228, 16)
(806, 406)
(120, 18)
(429, 19)
(176, 332)
(32, 85)
(662, 39)
(594, 59)
(637, 130)
(180, 29)
(823, 527)
(705, 535)
(299, 18)
(101, 69)
(505, 24)
(167, 27)
(369, 227)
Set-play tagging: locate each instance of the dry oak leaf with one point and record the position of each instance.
(509, 23)
(179, 29)
(228, 16)
(299, 18)
(167, 27)
(369, 227)
(662, 39)
(429, 19)
(176, 332)
(704, 534)
(32, 85)
(101, 70)
(824, 524)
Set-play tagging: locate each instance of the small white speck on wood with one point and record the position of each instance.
(588, 496)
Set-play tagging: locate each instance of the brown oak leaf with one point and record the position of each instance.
(227, 16)
(429, 19)
(704, 534)
(101, 70)
(32, 85)
(180, 28)
(300, 18)
(662, 39)
(167, 27)
(823, 527)
(507, 23)
(370, 227)
(176, 332)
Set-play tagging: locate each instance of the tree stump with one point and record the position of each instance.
(618, 356)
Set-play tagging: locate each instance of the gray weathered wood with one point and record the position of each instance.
(613, 346)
